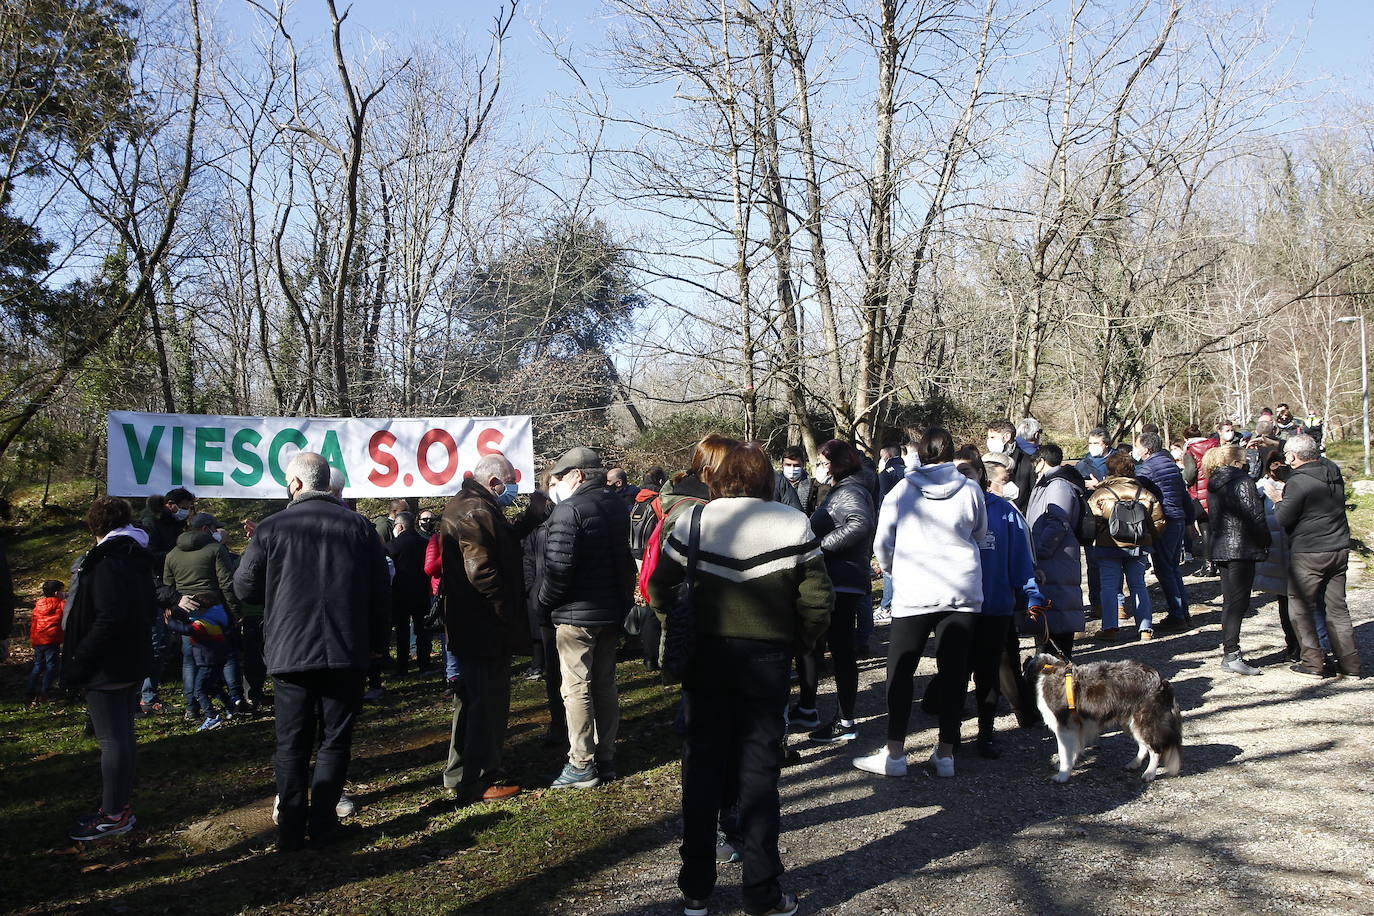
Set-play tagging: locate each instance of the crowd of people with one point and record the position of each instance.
(730, 574)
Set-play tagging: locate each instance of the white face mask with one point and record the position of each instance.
(563, 489)
(823, 473)
(181, 514)
(996, 445)
(1176, 452)
(1227, 435)
(792, 471)
(218, 535)
(1010, 490)
(1097, 451)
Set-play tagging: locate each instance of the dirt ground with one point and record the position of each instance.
(1273, 812)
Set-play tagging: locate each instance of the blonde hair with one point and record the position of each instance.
(1221, 455)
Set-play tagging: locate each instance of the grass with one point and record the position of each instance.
(203, 840)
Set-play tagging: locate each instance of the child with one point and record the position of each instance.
(207, 629)
(45, 634)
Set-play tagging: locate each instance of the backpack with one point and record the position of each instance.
(644, 519)
(652, 548)
(1129, 522)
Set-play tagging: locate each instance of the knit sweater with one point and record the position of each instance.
(760, 574)
(930, 529)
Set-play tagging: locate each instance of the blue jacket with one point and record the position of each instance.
(1008, 567)
(1160, 470)
(1089, 466)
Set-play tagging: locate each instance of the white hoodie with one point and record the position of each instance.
(929, 529)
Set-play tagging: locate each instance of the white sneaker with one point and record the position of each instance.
(880, 763)
(345, 807)
(942, 766)
(276, 809)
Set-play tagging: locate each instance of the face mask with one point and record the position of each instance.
(1097, 451)
(218, 535)
(792, 472)
(823, 474)
(1010, 490)
(507, 497)
(562, 490)
(1137, 455)
(426, 525)
(1227, 436)
(182, 514)
(1176, 452)
(995, 444)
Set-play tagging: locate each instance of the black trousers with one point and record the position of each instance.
(254, 666)
(840, 640)
(310, 704)
(989, 639)
(953, 631)
(735, 697)
(553, 682)
(1237, 578)
(1290, 636)
(481, 708)
(112, 716)
(402, 621)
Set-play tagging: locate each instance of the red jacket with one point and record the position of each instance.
(1198, 488)
(45, 626)
(434, 562)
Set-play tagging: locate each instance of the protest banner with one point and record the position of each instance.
(244, 457)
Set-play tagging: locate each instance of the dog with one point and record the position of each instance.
(1127, 693)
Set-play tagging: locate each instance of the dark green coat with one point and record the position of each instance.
(200, 565)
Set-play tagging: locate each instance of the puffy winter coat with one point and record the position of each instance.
(1159, 469)
(1195, 449)
(109, 624)
(1271, 575)
(1104, 499)
(1055, 507)
(320, 572)
(45, 624)
(484, 585)
(589, 573)
(1236, 516)
(201, 565)
(434, 561)
(845, 523)
(1313, 508)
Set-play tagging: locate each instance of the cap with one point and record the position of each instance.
(573, 458)
(204, 520)
(997, 458)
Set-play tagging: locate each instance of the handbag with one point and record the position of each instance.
(679, 632)
(434, 618)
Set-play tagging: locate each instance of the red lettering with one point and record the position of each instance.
(422, 457)
(388, 468)
(489, 443)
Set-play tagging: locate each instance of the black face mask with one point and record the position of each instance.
(427, 525)
(1281, 473)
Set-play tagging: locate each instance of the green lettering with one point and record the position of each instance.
(178, 440)
(333, 453)
(142, 458)
(209, 451)
(249, 471)
(288, 436)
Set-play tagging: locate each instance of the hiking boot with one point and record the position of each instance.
(880, 763)
(103, 825)
(1110, 634)
(1232, 661)
(786, 906)
(835, 731)
(1172, 624)
(797, 717)
(1147, 634)
(573, 778)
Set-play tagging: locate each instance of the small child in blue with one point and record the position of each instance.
(208, 630)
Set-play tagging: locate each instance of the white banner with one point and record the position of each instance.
(244, 457)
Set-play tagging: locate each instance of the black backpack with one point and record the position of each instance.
(644, 519)
(1086, 530)
(1129, 522)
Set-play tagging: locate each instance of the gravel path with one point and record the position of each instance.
(1274, 810)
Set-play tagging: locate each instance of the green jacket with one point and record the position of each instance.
(200, 565)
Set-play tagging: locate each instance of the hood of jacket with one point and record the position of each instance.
(673, 493)
(1063, 472)
(193, 540)
(936, 481)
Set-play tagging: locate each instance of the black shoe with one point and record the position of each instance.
(987, 749)
(605, 770)
(333, 835)
(833, 732)
(800, 718)
(1172, 624)
(1308, 672)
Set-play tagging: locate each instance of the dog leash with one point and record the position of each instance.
(1069, 696)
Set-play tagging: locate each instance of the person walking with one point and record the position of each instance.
(1123, 503)
(760, 590)
(107, 652)
(1157, 469)
(1240, 539)
(1056, 507)
(320, 573)
(845, 523)
(586, 586)
(934, 519)
(1312, 513)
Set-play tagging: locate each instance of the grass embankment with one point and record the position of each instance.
(203, 800)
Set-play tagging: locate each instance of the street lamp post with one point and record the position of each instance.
(1364, 382)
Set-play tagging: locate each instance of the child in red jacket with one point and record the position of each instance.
(45, 635)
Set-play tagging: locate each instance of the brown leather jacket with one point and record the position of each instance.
(484, 586)
(1111, 491)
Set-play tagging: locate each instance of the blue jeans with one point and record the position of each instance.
(44, 668)
(451, 669)
(886, 603)
(207, 686)
(232, 677)
(188, 674)
(1113, 565)
(159, 640)
(1166, 553)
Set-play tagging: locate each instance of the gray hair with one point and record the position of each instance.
(1150, 442)
(1303, 447)
(1028, 428)
(336, 481)
(489, 466)
(406, 520)
(1264, 427)
(310, 469)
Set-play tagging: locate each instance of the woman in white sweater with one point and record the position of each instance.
(929, 531)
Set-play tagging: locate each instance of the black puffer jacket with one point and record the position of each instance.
(1236, 515)
(845, 523)
(108, 628)
(319, 570)
(588, 571)
(1312, 510)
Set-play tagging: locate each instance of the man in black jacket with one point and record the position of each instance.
(320, 572)
(409, 592)
(588, 580)
(1312, 511)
